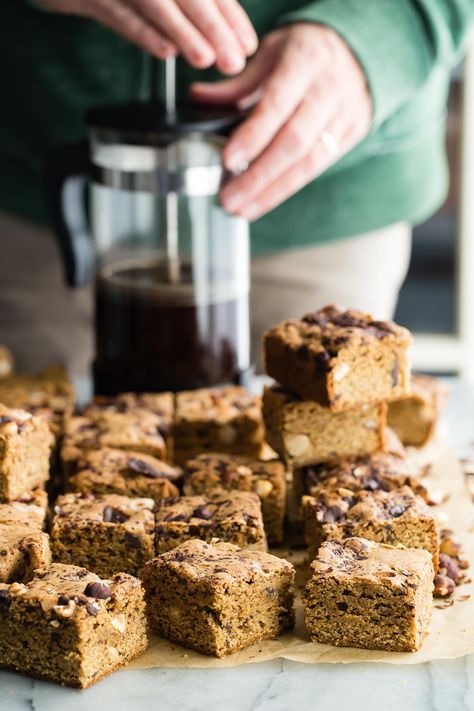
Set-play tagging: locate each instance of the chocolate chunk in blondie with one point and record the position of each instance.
(392, 517)
(218, 599)
(414, 417)
(25, 449)
(232, 516)
(369, 595)
(340, 359)
(213, 471)
(117, 471)
(68, 625)
(217, 420)
(304, 432)
(105, 534)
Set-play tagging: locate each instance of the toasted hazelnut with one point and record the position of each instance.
(65, 610)
(263, 488)
(9, 428)
(18, 589)
(450, 546)
(119, 622)
(298, 445)
(443, 586)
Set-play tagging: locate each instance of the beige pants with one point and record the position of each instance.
(42, 321)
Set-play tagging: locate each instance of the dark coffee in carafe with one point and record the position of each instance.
(152, 334)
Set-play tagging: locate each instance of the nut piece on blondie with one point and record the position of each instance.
(117, 471)
(341, 359)
(414, 418)
(25, 448)
(48, 394)
(217, 420)
(218, 599)
(208, 472)
(69, 626)
(303, 432)
(232, 516)
(392, 517)
(23, 545)
(6, 362)
(161, 405)
(137, 431)
(376, 472)
(369, 595)
(106, 534)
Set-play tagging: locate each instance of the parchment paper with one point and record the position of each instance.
(451, 632)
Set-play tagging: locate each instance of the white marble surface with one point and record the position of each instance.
(279, 685)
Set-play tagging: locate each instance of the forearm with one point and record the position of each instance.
(397, 42)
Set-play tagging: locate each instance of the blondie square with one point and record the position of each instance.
(69, 626)
(392, 517)
(217, 420)
(210, 472)
(379, 471)
(25, 449)
(105, 534)
(118, 471)
(231, 516)
(340, 359)
(48, 394)
(304, 432)
(23, 545)
(414, 418)
(369, 595)
(137, 431)
(161, 405)
(218, 599)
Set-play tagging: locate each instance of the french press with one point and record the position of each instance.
(170, 266)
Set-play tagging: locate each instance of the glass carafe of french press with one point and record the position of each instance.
(171, 267)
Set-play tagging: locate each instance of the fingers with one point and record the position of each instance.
(284, 90)
(125, 21)
(230, 56)
(290, 145)
(240, 23)
(315, 162)
(173, 23)
(235, 90)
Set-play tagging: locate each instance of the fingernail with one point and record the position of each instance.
(251, 211)
(231, 201)
(201, 57)
(232, 60)
(237, 162)
(250, 42)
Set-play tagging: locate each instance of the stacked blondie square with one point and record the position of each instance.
(371, 537)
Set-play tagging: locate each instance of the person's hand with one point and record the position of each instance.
(313, 106)
(205, 32)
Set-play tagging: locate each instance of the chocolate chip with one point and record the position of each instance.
(5, 599)
(176, 517)
(63, 600)
(132, 541)
(100, 591)
(342, 606)
(395, 372)
(92, 609)
(141, 467)
(333, 514)
(112, 515)
(396, 510)
(303, 353)
(202, 512)
(228, 475)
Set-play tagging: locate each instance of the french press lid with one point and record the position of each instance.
(136, 147)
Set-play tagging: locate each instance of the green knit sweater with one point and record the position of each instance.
(54, 67)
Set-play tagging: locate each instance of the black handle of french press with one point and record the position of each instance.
(66, 179)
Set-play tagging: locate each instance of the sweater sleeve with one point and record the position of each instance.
(397, 42)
